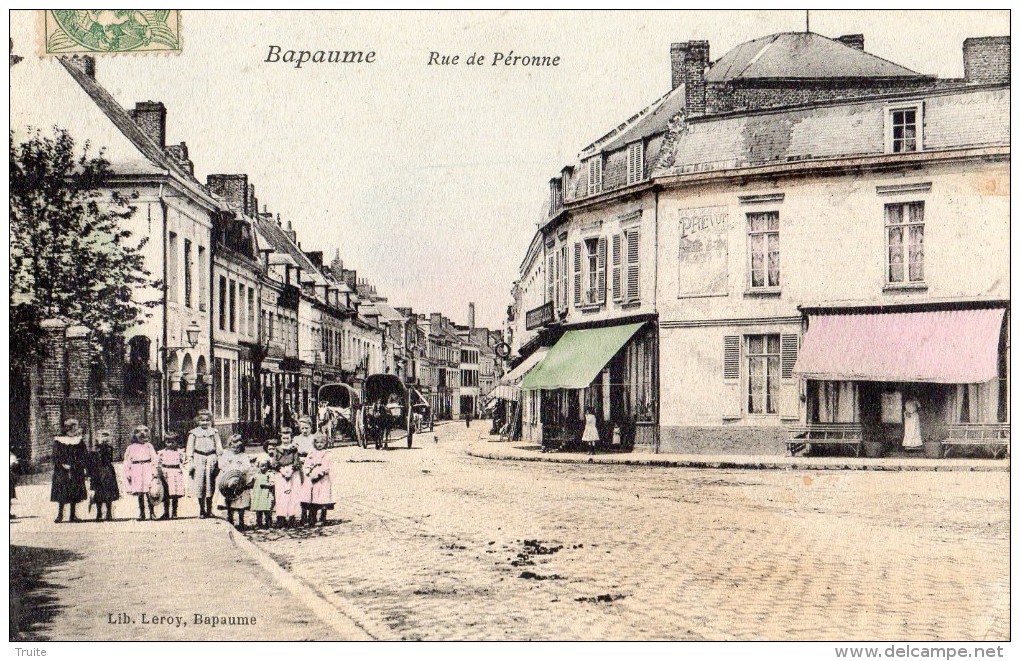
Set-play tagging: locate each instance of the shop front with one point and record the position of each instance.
(913, 380)
(516, 420)
(606, 372)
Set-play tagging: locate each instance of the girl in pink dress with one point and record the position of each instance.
(140, 468)
(171, 462)
(318, 487)
(287, 485)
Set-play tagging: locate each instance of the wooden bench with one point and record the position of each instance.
(994, 436)
(845, 434)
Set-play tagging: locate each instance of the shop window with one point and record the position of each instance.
(904, 228)
(763, 249)
(763, 355)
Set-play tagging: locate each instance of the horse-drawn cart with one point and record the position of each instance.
(385, 410)
(339, 418)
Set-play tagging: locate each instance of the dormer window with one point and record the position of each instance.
(635, 163)
(904, 129)
(595, 175)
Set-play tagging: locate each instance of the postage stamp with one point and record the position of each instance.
(111, 31)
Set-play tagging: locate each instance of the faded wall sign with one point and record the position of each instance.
(704, 251)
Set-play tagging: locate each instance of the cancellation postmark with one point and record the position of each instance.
(111, 31)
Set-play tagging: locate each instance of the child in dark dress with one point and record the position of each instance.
(69, 459)
(102, 476)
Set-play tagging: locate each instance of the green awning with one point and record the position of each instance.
(578, 357)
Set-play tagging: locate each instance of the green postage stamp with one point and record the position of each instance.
(111, 31)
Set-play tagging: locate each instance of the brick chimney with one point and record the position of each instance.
(986, 59)
(471, 316)
(291, 234)
(337, 265)
(151, 118)
(689, 60)
(253, 202)
(179, 153)
(855, 41)
(231, 187)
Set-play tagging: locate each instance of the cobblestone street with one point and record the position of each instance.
(432, 544)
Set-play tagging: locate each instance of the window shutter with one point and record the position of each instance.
(731, 357)
(556, 279)
(635, 163)
(601, 282)
(633, 266)
(564, 278)
(617, 267)
(591, 176)
(550, 272)
(789, 344)
(577, 273)
(598, 174)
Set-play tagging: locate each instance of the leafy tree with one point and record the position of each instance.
(70, 257)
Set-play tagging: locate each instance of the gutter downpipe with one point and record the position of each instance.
(163, 353)
(658, 339)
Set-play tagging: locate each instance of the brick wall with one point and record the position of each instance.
(986, 59)
(729, 96)
(67, 385)
(723, 440)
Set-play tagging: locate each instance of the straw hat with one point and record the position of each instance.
(232, 483)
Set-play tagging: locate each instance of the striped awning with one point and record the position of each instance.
(509, 386)
(950, 346)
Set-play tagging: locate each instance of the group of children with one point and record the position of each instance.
(290, 478)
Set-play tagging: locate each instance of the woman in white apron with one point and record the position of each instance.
(912, 424)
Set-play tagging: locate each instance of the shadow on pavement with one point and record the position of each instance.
(33, 601)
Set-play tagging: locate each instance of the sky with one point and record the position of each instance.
(430, 180)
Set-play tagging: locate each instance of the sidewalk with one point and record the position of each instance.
(494, 449)
(114, 581)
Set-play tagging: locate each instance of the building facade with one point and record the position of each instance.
(728, 252)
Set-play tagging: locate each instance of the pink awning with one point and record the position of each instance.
(957, 346)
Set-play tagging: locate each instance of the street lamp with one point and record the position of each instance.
(192, 333)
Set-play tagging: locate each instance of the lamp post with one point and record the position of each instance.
(192, 333)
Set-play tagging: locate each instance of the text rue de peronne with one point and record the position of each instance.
(496, 59)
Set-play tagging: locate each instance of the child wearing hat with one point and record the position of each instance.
(262, 493)
(287, 484)
(235, 480)
(318, 489)
(102, 475)
(140, 468)
(171, 463)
